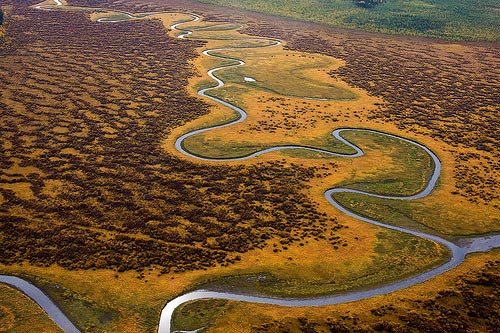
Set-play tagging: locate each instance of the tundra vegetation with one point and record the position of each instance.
(457, 20)
(367, 3)
(99, 210)
(464, 301)
(19, 314)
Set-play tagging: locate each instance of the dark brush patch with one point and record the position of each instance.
(88, 105)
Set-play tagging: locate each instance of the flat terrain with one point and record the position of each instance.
(459, 20)
(99, 210)
(20, 314)
(465, 300)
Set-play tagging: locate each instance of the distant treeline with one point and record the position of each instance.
(367, 3)
(456, 20)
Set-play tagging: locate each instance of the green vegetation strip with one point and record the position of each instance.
(195, 315)
(414, 166)
(455, 20)
(397, 256)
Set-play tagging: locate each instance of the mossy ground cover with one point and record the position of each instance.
(19, 314)
(275, 73)
(279, 72)
(131, 301)
(408, 174)
(419, 215)
(426, 306)
(395, 257)
(195, 315)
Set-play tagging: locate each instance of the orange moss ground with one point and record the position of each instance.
(102, 295)
(389, 309)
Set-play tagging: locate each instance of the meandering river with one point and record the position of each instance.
(458, 249)
(457, 252)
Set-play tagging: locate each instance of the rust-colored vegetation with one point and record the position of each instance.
(84, 182)
(472, 303)
(440, 90)
(2, 28)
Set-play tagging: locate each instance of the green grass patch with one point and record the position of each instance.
(218, 149)
(116, 17)
(270, 78)
(197, 314)
(212, 27)
(86, 314)
(417, 215)
(413, 166)
(19, 314)
(230, 93)
(208, 83)
(396, 256)
(306, 154)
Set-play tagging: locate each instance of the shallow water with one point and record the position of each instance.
(458, 249)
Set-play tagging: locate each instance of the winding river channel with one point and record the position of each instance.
(458, 249)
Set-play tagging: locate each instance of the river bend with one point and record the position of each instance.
(458, 250)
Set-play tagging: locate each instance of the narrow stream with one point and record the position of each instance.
(458, 250)
(457, 253)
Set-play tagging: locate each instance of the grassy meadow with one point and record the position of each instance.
(19, 314)
(313, 251)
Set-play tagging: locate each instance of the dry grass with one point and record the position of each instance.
(102, 146)
(359, 314)
(274, 118)
(19, 314)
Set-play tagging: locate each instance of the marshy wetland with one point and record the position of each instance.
(171, 152)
